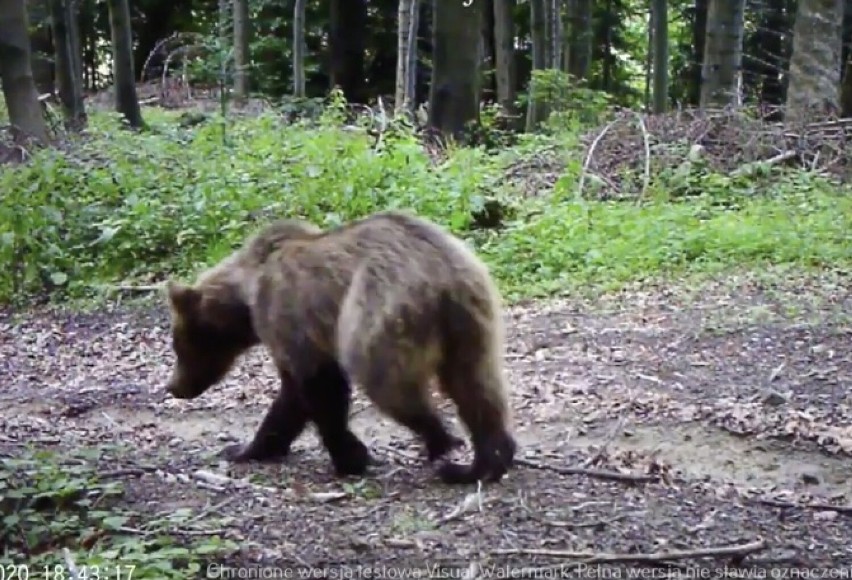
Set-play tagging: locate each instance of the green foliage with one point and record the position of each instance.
(124, 206)
(573, 106)
(51, 502)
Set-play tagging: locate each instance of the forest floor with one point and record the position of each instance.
(730, 399)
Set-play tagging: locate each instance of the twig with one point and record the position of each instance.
(843, 509)
(596, 473)
(646, 181)
(69, 563)
(736, 550)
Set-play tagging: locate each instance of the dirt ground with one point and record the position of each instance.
(732, 400)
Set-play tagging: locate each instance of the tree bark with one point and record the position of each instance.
(815, 64)
(454, 93)
(578, 38)
(16, 73)
(347, 39)
(126, 99)
(299, 48)
(536, 109)
(488, 88)
(67, 66)
(661, 55)
(723, 53)
(504, 54)
(241, 49)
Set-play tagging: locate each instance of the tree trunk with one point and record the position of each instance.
(846, 90)
(16, 72)
(578, 38)
(299, 48)
(126, 100)
(411, 53)
(536, 108)
(815, 63)
(723, 53)
(660, 17)
(699, 39)
(347, 39)
(41, 46)
(556, 35)
(488, 88)
(241, 49)
(69, 76)
(454, 93)
(402, 44)
(504, 54)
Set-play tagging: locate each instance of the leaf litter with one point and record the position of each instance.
(662, 425)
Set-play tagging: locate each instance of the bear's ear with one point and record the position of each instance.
(182, 298)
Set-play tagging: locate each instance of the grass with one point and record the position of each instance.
(123, 206)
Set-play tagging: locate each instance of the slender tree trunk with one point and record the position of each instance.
(241, 49)
(815, 64)
(16, 72)
(347, 39)
(488, 50)
(126, 99)
(699, 39)
(504, 54)
(69, 75)
(299, 48)
(578, 38)
(723, 53)
(411, 54)
(402, 32)
(454, 93)
(660, 15)
(536, 109)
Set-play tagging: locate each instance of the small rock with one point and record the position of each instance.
(809, 478)
(774, 399)
(825, 516)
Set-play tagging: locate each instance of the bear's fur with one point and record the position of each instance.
(387, 302)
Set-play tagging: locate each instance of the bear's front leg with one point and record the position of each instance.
(328, 394)
(284, 422)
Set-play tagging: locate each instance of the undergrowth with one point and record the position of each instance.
(51, 504)
(126, 207)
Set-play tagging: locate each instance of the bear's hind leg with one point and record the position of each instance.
(285, 420)
(328, 394)
(408, 404)
(482, 408)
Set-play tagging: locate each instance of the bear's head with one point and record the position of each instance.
(211, 327)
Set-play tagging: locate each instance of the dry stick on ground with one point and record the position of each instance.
(596, 473)
(736, 550)
(843, 509)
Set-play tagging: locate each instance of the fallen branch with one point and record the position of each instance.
(736, 550)
(589, 155)
(843, 509)
(596, 473)
(218, 480)
(780, 158)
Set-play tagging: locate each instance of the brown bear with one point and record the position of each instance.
(388, 302)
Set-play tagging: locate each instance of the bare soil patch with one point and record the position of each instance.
(732, 399)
